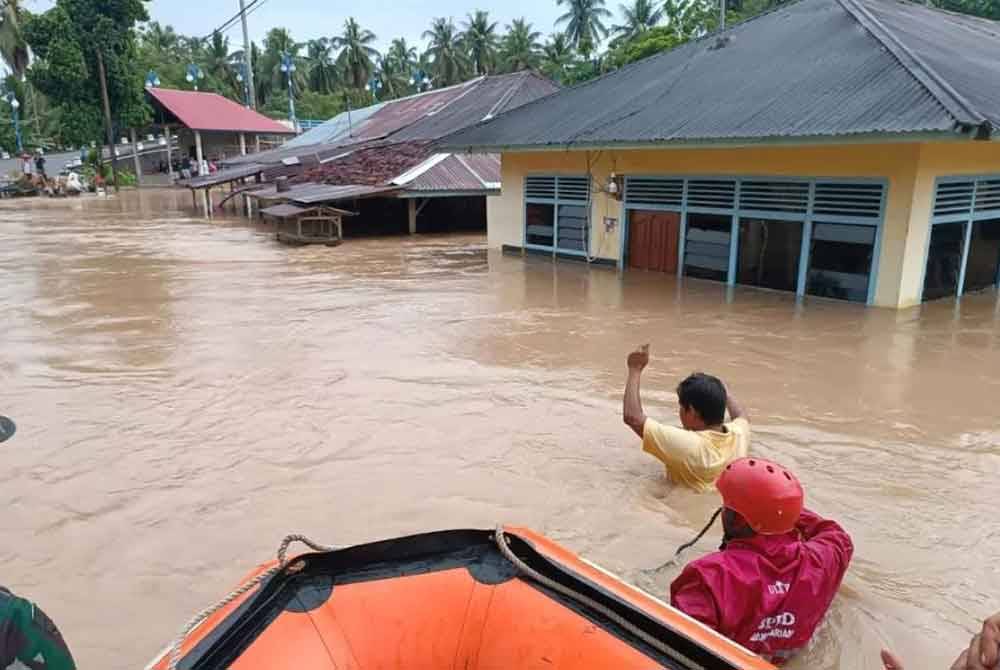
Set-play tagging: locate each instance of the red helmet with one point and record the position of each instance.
(765, 494)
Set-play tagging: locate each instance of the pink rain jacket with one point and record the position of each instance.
(769, 592)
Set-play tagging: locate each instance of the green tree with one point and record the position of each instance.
(520, 46)
(13, 47)
(639, 17)
(217, 65)
(447, 59)
(584, 21)
(481, 41)
(690, 18)
(278, 42)
(989, 9)
(395, 79)
(403, 56)
(557, 58)
(644, 45)
(322, 71)
(69, 41)
(356, 57)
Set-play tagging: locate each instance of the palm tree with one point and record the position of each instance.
(13, 47)
(584, 23)
(163, 40)
(356, 57)
(557, 57)
(480, 40)
(322, 73)
(448, 61)
(395, 78)
(402, 55)
(218, 66)
(520, 46)
(639, 17)
(277, 42)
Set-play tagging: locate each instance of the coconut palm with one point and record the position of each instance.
(481, 41)
(402, 54)
(520, 46)
(277, 43)
(447, 59)
(557, 57)
(639, 17)
(162, 40)
(584, 23)
(321, 70)
(218, 66)
(13, 48)
(689, 18)
(395, 78)
(357, 58)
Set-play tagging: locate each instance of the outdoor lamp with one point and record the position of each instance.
(152, 79)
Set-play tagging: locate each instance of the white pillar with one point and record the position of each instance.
(170, 158)
(135, 158)
(201, 157)
(413, 215)
(256, 139)
(243, 144)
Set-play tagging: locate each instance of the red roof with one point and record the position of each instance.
(211, 111)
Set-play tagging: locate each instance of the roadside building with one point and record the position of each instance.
(381, 161)
(838, 148)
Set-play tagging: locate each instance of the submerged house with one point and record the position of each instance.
(382, 163)
(839, 148)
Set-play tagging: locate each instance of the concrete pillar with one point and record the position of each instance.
(135, 158)
(256, 139)
(413, 215)
(200, 156)
(170, 158)
(243, 144)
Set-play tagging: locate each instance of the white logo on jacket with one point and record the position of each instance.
(779, 626)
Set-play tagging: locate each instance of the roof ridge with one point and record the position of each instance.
(954, 103)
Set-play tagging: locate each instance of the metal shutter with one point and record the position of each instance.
(543, 188)
(860, 201)
(715, 193)
(780, 196)
(654, 191)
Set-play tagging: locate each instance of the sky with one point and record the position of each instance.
(310, 19)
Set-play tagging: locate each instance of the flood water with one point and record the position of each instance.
(189, 392)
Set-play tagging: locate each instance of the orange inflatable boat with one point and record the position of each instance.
(448, 600)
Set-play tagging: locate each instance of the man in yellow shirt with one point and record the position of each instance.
(696, 454)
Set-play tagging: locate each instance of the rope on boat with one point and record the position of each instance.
(501, 541)
(197, 619)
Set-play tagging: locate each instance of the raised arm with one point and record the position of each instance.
(632, 412)
(736, 410)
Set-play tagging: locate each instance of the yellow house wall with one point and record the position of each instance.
(910, 169)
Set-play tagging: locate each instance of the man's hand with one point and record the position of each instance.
(983, 652)
(984, 649)
(639, 358)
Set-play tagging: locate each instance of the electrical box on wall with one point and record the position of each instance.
(610, 223)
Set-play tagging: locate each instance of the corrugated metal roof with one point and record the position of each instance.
(453, 173)
(285, 210)
(223, 176)
(310, 194)
(210, 111)
(814, 68)
(339, 128)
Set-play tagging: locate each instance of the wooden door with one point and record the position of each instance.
(653, 239)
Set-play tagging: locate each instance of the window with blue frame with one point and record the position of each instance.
(963, 249)
(556, 217)
(809, 235)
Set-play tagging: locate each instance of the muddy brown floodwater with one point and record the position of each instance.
(189, 392)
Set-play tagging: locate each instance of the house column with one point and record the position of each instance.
(170, 158)
(135, 158)
(412, 211)
(200, 157)
(243, 144)
(256, 139)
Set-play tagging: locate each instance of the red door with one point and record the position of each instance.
(653, 238)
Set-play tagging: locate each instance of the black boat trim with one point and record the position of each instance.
(421, 554)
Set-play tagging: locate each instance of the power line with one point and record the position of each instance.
(255, 4)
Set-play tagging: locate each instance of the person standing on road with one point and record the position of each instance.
(28, 638)
(695, 455)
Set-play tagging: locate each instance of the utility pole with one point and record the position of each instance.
(107, 116)
(722, 15)
(248, 55)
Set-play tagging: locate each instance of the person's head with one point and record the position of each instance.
(759, 497)
(702, 401)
